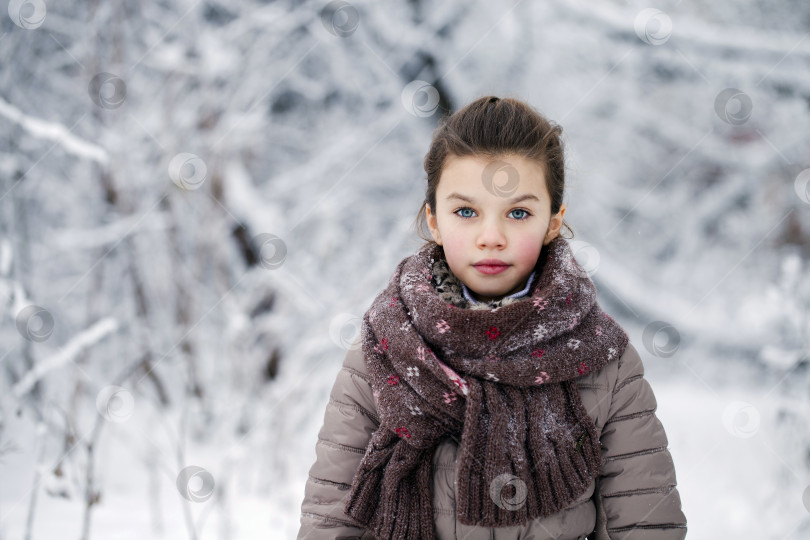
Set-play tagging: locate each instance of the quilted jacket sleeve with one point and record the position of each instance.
(637, 483)
(349, 421)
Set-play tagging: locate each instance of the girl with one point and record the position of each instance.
(489, 396)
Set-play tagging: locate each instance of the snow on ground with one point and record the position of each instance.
(737, 453)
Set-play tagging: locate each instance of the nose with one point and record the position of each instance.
(491, 234)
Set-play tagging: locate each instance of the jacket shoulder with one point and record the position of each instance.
(630, 362)
(354, 359)
(350, 419)
(353, 384)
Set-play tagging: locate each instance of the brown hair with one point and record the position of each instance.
(492, 127)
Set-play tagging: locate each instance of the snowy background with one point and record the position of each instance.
(199, 199)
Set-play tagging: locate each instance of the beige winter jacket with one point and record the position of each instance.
(634, 497)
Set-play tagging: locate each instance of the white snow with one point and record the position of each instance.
(693, 221)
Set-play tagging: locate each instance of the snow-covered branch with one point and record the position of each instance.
(89, 337)
(54, 131)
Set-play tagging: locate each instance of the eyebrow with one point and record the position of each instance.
(513, 200)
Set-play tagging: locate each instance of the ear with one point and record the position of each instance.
(554, 225)
(433, 225)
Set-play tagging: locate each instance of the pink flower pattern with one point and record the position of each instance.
(493, 333)
(453, 376)
(382, 345)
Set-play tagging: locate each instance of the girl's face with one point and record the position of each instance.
(496, 212)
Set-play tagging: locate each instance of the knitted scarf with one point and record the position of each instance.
(499, 381)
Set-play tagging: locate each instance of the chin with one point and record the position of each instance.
(488, 294)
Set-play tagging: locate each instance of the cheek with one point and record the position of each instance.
(528, 249)
(454, 249)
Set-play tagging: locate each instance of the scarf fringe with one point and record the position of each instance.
(549, 493)
(552, 484)
(389, 512)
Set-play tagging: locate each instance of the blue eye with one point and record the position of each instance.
(524, 213)
(465, 209)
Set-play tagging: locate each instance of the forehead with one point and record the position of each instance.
(478, 176)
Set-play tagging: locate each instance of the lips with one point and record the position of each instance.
(491, 266)
(491, 262)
